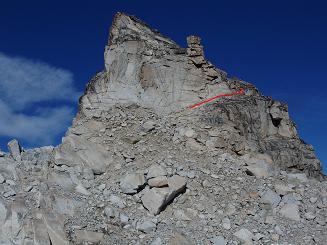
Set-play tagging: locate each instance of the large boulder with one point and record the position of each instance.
(156, 199)
(77, 150)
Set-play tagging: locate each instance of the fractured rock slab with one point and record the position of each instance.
(156, 199)
(131, 183)
(77, 150)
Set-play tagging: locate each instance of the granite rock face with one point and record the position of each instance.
(145, 68)
(138, 166)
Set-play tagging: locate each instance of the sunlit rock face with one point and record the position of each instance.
(144, 67)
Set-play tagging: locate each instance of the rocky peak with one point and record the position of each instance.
(149, 70)
(144, 67)
(138, 166)
(129, 33)
(129, 28)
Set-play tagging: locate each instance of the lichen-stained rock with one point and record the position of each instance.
(254, 130)
(76, 150)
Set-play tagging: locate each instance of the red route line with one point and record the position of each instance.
(241, 91)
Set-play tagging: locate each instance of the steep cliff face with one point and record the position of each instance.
(146, 68)
(143, 67)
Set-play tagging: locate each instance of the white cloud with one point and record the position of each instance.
(25, 86)
(24, 82)
(37, 129)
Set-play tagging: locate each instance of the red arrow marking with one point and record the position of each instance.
(241, 91)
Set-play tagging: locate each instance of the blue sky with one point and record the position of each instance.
(50, 49)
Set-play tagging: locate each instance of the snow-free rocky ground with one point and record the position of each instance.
(144, 170)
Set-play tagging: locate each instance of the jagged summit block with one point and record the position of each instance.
(146, 68)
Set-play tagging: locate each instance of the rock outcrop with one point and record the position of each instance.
(139, 167)
(150, 70)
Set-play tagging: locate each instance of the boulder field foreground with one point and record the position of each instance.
(139, 167)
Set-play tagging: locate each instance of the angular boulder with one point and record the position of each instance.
(290, 211)
(156, 199)
(77, 150)
(15, 150)
(131, 183)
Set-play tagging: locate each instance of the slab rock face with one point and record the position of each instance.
(144, 67)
